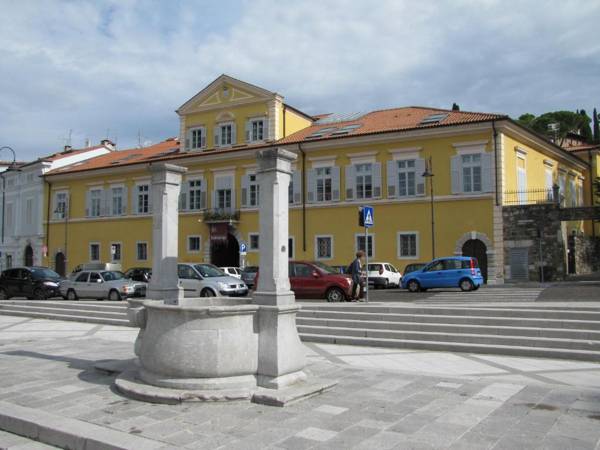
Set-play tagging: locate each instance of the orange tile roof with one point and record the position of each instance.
(388, 120)
(63, 154)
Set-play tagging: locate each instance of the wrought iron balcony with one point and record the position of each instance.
(221, 215)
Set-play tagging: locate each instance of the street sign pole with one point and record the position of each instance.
(367, 264)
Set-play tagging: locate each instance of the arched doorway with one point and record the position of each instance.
(60, 264)
(477, 249)
(28, 256)
(225, 253)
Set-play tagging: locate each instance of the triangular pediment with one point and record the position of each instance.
(225, 91)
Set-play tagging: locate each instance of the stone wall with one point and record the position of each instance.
(587, 254)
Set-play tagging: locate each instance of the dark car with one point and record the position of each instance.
(139, 274)
(249, 274)
(309, 279)
(34, 282)
(413, 267)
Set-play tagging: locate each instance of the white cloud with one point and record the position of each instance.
(127, 65)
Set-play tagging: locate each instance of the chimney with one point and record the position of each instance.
(68, 149)
(108, 144)
(88, 143)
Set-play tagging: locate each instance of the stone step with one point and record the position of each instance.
(564, 314)
(452, 319)
(106, 306)
(55, 309)
(464, 338)
(547, 332)
(509, 350)
(89, 318)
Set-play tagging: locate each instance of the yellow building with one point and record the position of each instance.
(478, 160)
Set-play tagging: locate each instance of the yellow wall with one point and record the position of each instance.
(293, 122)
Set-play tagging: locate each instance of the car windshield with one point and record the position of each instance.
(209, 271)
(40, 273)
(112, 275)
(325, 268)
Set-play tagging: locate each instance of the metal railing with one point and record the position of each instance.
(221, 215)
(531, 196)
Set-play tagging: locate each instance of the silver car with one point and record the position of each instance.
(103, 284)
(206, 280)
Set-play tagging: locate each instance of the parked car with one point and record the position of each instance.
(413, 267)
(232, 272)
(94, 266)
(106, 284)
(207, 280)
(457, 271)
(309, 279)
(383, 275)
(139, 274)
(249, 274)
(33, 282)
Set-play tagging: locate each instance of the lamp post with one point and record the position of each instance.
(10, 167)
(429, 174)
(65, 212)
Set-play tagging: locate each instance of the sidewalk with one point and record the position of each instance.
(386, 398)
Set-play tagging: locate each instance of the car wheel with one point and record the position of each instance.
(466, 285)
(386, 284)
(413, 286)
(207, 293)
(71, 295)
(114, 295)
(39, 294)
(3, 294)
(335, 295)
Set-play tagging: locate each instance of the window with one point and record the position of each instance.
(291, 246)
(193, 244)
(323, 179)
(29, 211)
(30, 178)
(9, 216)
(95, 202)
(254, 239)
(223, 199)
(580, 194)
(407, 178)
(364, 180)
(323, 247)
(226, 134)
(94, 251)
(195, 193)
(573, 192)
(143, 198)
(562, 191)
(82, 278)
(549, 182)
(115, 251)
(95, 277)
(60, 202)
(256, 130)
(471, 172)
(360, 244)
(142, 251)
(408, 243)
(196, 138)
(117, 203)
(253, 188)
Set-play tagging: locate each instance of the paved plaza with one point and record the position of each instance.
(386, 398)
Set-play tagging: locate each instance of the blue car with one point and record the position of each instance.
(455, 271)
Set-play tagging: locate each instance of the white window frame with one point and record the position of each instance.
(222, 125)
(357, 236)
(63, 213)
(120, 244)
(250, 247)
(29, 212)
(324, 179)
(324, 236)
(137, 254)
(188, 241)
(364, 176)
(137, 197)
(399, 246)
(197, 189)
(253, 184)
(471, 165)
(406, 170)
(292, 247)
(101, 198)
(191, 131)
(252, 122)
(99, 251)
(112, 200)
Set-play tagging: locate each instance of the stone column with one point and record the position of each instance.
(281, 355)
(166, 184)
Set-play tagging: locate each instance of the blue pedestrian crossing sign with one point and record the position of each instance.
(368, 217)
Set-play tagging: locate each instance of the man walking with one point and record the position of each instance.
(355, 272)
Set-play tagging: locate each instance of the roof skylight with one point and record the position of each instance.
(346, 129)
(433, 118)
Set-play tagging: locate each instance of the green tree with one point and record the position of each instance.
(585, 130)
(526, 120)
(596, 128)
(567, 122)
(455, 107)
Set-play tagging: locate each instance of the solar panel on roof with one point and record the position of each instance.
(346, 129)
(322, 132)
(340, 117)
(433, 118)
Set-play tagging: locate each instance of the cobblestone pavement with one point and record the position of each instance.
(386, 398)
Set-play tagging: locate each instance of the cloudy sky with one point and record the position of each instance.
(121, 68)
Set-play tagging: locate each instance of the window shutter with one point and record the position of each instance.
(124, 211)
(248, 130)
(297, 186)
(105, 209)
(335, 184)
(183, 195)
(350, 182)
(377, 180)
(188, 139)
(203, 138)
(150, 198)
(134, 204)
(203, 194)
(265, 129)
(392, 178)
(233, 134)
(245, 185)
(88, 204)
(419, 178)
(213, 199)
(312, 186)
(216, 135)
(455, 172)
(487, 170)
